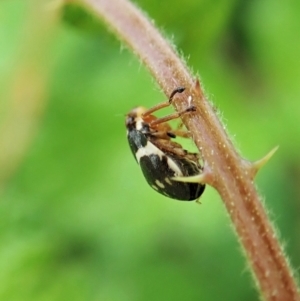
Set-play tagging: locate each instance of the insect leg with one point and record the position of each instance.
(172, 116)
(164, 104)
(179, 133)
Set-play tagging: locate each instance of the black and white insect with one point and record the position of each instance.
(161, 159)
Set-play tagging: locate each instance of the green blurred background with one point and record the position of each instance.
(77, 219)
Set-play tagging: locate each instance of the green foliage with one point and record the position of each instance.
(78, 221)
(76, 16)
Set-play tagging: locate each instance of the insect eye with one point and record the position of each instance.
(145, 128)
(129, 121)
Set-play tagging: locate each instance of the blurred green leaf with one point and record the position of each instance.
(79, 18)
(79, 222)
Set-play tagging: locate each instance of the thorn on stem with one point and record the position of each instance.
(197, 88)
(257, 165)
(202, 178)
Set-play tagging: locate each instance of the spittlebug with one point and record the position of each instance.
(160, 158)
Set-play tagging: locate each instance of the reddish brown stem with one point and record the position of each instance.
(224, 169)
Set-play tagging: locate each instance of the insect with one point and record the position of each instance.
(160, 158)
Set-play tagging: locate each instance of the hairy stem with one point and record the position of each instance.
(225, 170)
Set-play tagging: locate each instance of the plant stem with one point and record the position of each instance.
(224, 169)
